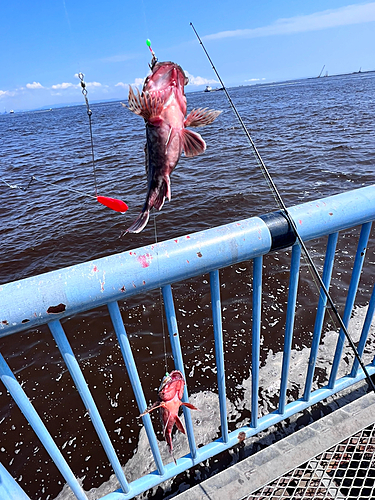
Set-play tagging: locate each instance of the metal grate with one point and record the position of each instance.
(344, 472)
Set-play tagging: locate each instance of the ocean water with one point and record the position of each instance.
(317, 139)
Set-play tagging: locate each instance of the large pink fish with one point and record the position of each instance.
(162, 104)
(170, 394)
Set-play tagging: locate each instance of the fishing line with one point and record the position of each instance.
(38, 179)
(15, 186)
(153, 61)
(145, 18)
(161, 302)
(113, 203)
(89, 114)
(282, 205)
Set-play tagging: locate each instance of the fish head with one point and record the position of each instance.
(166, 75)
(172, 384)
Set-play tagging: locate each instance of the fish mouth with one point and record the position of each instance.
(166, 74)
(171, 377)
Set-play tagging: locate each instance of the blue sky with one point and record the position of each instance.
(44, 44)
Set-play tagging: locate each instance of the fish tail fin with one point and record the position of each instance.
(139, 223)
(155, 199)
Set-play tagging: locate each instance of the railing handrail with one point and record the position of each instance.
(30, 302)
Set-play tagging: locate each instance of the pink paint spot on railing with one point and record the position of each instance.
(145, 260)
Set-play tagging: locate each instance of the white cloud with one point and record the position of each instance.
(7, 93)
(121, 84)
(255, 80)
(343, 16)
(64, 85)
(139, 82)
(199, 80)
(34, 85)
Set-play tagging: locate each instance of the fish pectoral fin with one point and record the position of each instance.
(189, 405)
(144, 104)
(192, 143)
(201, 117)
(154, 406)
(179, 425)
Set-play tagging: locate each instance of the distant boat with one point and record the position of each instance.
(210, 89)
(320, 74)
(11, 111)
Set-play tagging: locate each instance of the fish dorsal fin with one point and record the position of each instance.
(201, 117)
(192, 143)
(179, 425)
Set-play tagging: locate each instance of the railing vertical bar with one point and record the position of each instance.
(131, 368)
(23, 402)
(219, 350)
(9, 488)
(352, 292)
(82, 387)
(179, 364)
(365, 331)
(255, 348)
(319, 319)
(290, 315)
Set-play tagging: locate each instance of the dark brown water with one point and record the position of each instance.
(316, 138)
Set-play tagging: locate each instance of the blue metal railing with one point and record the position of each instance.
(48, 298)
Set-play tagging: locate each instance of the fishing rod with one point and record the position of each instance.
(288, 217)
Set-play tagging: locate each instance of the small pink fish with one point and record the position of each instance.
(162, 104)
(170, 394)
